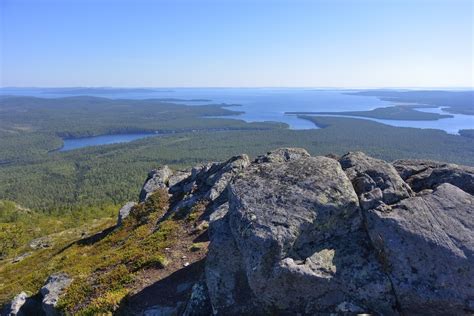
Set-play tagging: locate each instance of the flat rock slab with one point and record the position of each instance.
(427, 243)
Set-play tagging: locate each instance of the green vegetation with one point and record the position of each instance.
(19, 226)
(31, 127)
(105, 266)
(387, 113)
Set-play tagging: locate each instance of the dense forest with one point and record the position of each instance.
(32, 126)
(38, 177)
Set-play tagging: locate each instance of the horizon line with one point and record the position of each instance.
(239, 87)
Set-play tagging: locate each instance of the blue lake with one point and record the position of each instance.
(264, 104)
(76, 143)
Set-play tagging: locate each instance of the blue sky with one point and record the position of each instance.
(258, 43)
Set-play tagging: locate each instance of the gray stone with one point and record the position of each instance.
(124, 212)
(177, 177)
(221, 179)
(426, 174)
(52, 290)
(225, 274)
(375, 181)
(209, 182)
(427, 246)
(282, 155)
(21, 257)
(14, 308)
(198, 303)
(41, 243)
(293, 242)
(157, 179)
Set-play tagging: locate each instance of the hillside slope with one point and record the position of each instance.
(284, 234)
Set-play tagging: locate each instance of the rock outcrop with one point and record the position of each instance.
(52, 290)
(294, 234)
(300, 243)
(157, 179)
(426, 174)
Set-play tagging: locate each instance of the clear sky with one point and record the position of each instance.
(203, 43)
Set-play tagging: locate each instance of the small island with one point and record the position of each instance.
(388, 113)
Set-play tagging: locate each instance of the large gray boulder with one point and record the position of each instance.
(157, 179)
(375, 181)
(225, 273)
(427, 246)
(309, 235)
(296, 244)
(426, 174)
(55, 286)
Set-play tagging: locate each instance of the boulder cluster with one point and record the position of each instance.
(295, 234)
(44, 302)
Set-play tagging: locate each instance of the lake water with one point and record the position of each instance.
(76, 143)
(266, 104)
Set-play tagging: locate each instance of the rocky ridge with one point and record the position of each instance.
(294, 234)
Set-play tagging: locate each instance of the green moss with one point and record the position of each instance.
(198, 246)
(105, 304)
(140, 214)
(116, 278)
(78, 291)
(111, 263)
(104, 270)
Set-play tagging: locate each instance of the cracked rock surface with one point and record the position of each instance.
(314, 235)
(294, 234)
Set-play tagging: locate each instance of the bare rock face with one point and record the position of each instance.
(207, 183)
(52, 290)
(427, 245)
(292, 241)
(225, 273)
(426, 174)
(309, 235)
